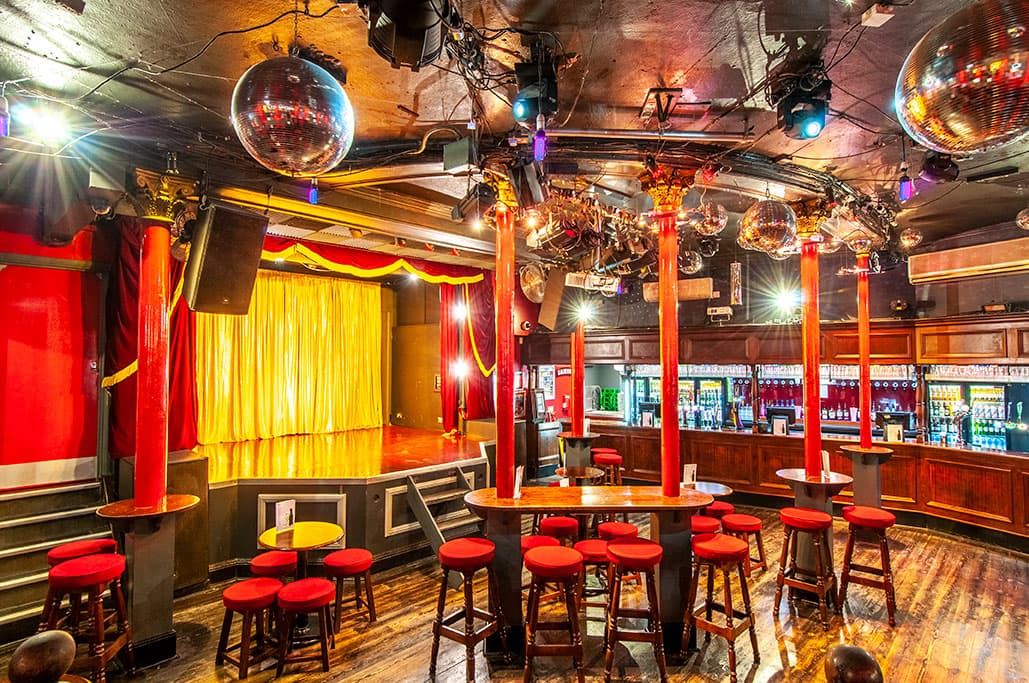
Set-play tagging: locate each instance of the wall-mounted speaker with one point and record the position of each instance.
(552, 299)
(224, 255)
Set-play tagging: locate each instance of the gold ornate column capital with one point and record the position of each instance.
(162, 197)
(667, 186)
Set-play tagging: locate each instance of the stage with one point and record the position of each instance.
(360, 479)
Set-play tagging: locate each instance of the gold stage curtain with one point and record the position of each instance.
(304, 360)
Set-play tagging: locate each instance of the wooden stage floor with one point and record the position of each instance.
(354, 454)
(962, 616)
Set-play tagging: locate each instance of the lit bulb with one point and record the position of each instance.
(477, 224)
(539, 140)
(312, 192)
(532, 220)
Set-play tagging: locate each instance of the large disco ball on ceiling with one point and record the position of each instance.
(292, 116)
(964, 87)
(767, 226)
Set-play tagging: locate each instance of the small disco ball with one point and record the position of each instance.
(768, 226)
(292, 116)
(829, 245)
(964, 87)
(1022, 219)
(690, 262)
(910, 238)
(713, 220)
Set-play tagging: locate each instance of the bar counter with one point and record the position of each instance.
(979, 488)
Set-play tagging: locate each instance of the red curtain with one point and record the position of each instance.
(482, 314)
(449, 295)
(122, 316)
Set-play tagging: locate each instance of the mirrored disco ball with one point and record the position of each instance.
(1022, 219)
(910, 238)
(292, 116)
(964, 87)
(690, 262)
(829, 245)
(712, 221)
(768, 226)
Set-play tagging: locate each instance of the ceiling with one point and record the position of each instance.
(102, 61)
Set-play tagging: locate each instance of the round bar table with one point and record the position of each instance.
(713, 488)
(670, 526)
(577, 448)
(581, 475)
(815, 493)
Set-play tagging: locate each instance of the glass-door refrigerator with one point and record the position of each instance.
(944, 400)
(997, 414)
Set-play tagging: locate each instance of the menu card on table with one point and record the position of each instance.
(825, 464)
(689, 475)
(519, 472)
(285, 514)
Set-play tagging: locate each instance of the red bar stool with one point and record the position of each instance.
(536, 541)
(355, 563)
(719, 508)
(560, 527)
(742, 526)
(876, 520)
(249, 598)
(69, 551)
(276, 564)
(609, 531)
(303, 597)
(701, 524)
(92, 574)
(610, 461)
(465, 555)
(564, 566)
(594, 554)
(823, 582)
(725, 553)
(629, 555)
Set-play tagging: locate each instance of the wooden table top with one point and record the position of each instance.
(797, 474)
(713, 488)
(586, 498)
(594, 473)
(573, 435)
(303, 536)
(127, 509)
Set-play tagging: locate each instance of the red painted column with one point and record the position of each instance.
(810, 333)
(668, 307)
(579, 379)
(151, 475)
(864, 353)
(505, 352)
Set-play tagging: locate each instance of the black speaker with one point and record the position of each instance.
(223, 258)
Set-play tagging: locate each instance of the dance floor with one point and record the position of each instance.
(354, 454)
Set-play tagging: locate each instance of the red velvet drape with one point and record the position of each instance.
(122, 315)
(482, 312)
(449, 327)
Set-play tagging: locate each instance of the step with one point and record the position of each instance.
(51, 526)
(26, 559)
(50, 499)
(444, 496)
(22, 593)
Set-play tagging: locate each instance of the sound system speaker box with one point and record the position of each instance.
(552, 295)
(224, 255)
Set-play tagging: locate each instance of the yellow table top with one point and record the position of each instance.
(303, 536)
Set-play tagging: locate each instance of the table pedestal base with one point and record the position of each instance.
(577, 449)
(505, 530)
(672, 531)
(150, 585)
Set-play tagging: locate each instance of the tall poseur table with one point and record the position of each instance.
(815, 493)
(868, 461)
(577, 448)
(670, 526)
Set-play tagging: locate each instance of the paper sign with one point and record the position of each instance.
(780, 426)
(519, 471)
(894, 432)
(284, 514)
(586, 425)
(689, 475)
(825, 462)
(565, 482)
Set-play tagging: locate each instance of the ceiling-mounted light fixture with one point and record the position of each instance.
(905, 186)
(539, 140)
(5, 116)
(802, 102)
(409, 34)
(939, 168)
(312, 192)
(537, 86)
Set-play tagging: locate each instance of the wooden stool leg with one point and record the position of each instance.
(469, 630)
(845, 572)
(369, 598)
(781, 577)
(121, 611)
(575, 637)
(761, 550)
(655, 625)
(532, 610)
(437, 625)
(285, 628)
(884, 555)
(74, 613)
(745, 590)
(745, 537)
(323, 637)
(710, 599)
(96, 647)
(223, 639)
(244, 643)
(820, 583)
(338, 604)
(691, 601)
(611, 632)
(727, 604)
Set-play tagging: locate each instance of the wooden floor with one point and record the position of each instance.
(963, 611)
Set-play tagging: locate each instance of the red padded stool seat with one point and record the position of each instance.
(249, 598)
(274, 563)
(465, 555)
(719, 508)
(611, 462)
(559, 526)
(91, 575)
(537, 540)
(869, 517)
(701, 524)
(602, 449)
(356, 564)
(612, 530)
(629, 555)
(743, 526)
(805, 518)
(301, 597)
(592, 550)
(594, 553)
(823, 581)
(69, 551)
(565, 566)
(877, 521)
(607, 459)
(725, 554)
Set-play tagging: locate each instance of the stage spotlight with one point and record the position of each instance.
(409, 34)
(537, 87)
(802, 117)
(939, 168)
(480, 199)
